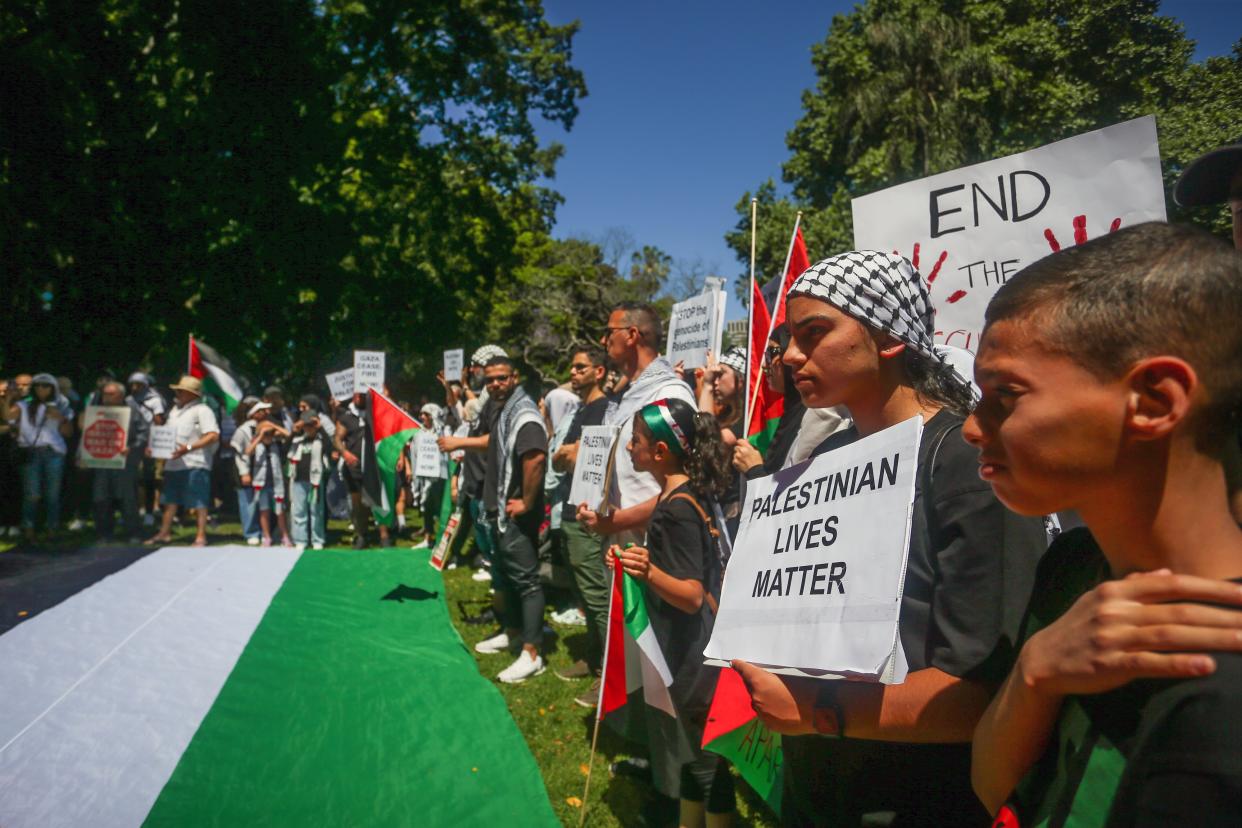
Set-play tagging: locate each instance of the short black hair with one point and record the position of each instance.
(594, 354)
(501, 360)
(274, 391)
(645, 318)
(1146, 290)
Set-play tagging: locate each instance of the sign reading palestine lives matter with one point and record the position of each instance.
(968, 231)
(815, 582)
(592, 468)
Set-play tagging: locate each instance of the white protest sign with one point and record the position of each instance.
(694, 327)
(428, 461)
(591, 468)
(105, 430)
(453, 361)
(818, 567)
(163, 441)
(368, 370)
(341, 384)
(970, 230)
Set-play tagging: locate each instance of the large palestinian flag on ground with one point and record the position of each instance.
(735, 732)
(232, 686)
(388, 429)
(219, 379)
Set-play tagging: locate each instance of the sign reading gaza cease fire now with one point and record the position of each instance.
(815, 582)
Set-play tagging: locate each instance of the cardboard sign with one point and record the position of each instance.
(594, 465)
(439, 555)
(453, 362)
(815, 582)
(968, 231)
(105, 430)
(694, 327)
(369, 370)
(163, 441)
(428, 459)
(341, 384)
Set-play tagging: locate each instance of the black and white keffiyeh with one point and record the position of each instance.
(881, 290)
(735, 358)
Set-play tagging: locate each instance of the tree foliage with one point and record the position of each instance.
(286, 179)
(909, 88)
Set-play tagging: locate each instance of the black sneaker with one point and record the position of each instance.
(635, 767)
(360, 542)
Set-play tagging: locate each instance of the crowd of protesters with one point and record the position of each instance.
(1082, 670)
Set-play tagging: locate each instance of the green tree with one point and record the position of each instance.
(906, 89)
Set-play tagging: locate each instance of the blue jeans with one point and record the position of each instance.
(247, 513)
(41, 477)
(306, 514)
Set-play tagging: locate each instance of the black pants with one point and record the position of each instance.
(517, 565)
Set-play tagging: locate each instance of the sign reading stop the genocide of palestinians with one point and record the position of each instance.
(104, 437)
(163, 441)
(592, 468)
(815, 582)
(695, 326)
(968, 231)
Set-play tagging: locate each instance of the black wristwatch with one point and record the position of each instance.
(827, 717)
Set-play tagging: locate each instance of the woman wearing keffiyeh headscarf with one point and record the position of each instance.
(861, 336)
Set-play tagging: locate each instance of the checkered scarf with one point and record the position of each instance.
(881, 290)
(735, 358)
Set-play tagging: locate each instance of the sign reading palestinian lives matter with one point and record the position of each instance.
(815, 582)
(341, 384)
(163, 441)
(427, 456)
(970, 230)
(368, 370)
(104, 437)
(453, 361)
(695, 326)
(591, 470)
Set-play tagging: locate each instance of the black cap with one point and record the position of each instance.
(1206, 179)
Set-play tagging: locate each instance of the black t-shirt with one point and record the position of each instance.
(1150, 753)
(352, 430)
(680, 544)
(474, 463)
(969, 575)
(591, 414)
(530, 437)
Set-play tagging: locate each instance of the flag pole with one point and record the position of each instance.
(750, 317)
(599, 702)
(780, 297)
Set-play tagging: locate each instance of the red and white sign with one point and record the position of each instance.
(105, 430)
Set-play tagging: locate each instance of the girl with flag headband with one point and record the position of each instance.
(861, 335)
(680, 571)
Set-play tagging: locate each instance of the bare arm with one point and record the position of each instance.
(1011, 736)
(468, 443)
(622, 520)
(565, 458)
(686, 594)
(533, 464)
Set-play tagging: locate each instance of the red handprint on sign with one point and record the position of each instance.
(1080, 232)
(935, 271)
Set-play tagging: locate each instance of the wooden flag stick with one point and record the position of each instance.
(599, 703)
(750, 318)
(780, 297)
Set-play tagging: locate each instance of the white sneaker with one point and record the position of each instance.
(316, 546)
(252, 541)
(76, 525)
(522, 669)
(495, 644)
(481, 575)
(571, 617)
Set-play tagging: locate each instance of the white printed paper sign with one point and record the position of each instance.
(818, 568)
(105, 442)
(968, 231)
(453, 361)
(163, 441)
(428, 461)
(591, 468)
(368, 370)
(695, 326)
(341, 384)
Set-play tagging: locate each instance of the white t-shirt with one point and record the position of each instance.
(192, 423)
(42, 433)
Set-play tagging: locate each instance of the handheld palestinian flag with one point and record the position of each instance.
(735, 732)
(219, 379)
(768, 406)
(388, 429)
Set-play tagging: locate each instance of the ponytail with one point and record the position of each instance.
(709, 463)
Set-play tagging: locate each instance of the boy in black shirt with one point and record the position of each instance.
(1110, 376)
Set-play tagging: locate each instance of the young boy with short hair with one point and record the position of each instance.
(1111, 375)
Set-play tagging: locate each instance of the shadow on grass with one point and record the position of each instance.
(402, 593)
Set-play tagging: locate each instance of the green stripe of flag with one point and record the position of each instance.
(355, 704)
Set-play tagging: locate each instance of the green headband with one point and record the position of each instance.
(659, 420)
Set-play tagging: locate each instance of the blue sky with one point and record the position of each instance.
(689, 105)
